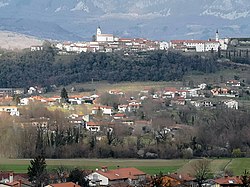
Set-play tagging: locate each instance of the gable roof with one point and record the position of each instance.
(181, 177)
(121, 173)
(66, 184)
(228, 180)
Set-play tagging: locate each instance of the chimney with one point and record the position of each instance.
(104, 168)
(11, 177)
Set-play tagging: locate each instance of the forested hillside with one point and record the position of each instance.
(46, 67)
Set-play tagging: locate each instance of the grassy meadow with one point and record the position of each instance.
(237, 165)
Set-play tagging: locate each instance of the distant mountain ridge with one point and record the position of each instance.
(156, 19)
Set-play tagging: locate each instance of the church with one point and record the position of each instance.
(103, 37)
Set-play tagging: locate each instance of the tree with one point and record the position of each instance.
(37, 171)
(201, 170)
(219, 52)
(79, 177)
(245, 178)
(16, 99)
(61, 173)
(64, 95)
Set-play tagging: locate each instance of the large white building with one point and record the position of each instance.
(198, 45)
(103, 37)
(195, 45)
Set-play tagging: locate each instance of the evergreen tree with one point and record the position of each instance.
(78, 177)
(64, 95)
(37, 171)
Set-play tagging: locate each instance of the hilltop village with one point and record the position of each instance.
(109, 43)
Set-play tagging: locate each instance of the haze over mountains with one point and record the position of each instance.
(153, 19)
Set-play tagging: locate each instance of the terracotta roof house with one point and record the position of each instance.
(11, 179)
(228, 181)
(176, 179)
(65, 184)
(105, 177)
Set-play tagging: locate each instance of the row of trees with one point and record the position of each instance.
(47, 68)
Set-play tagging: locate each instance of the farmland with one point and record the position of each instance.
(237, 165)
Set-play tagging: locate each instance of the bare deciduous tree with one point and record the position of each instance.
(201, 169)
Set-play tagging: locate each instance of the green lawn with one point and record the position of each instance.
(148, 166)
(239, 165)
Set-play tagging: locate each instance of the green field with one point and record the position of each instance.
(148, 166)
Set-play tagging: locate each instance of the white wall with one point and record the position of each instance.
(103, 180)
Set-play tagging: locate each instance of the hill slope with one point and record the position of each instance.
(10, 40)
(157, 19)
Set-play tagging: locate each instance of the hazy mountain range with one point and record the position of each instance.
(154, 19)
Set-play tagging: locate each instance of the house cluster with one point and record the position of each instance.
(121, 177)
(110, 43)
(200, 45)
(123, 112)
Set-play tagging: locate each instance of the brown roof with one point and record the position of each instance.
(66, 184)
(229, 180)
(120, 115)
(181, 177)
(17, 176)
(121, 173)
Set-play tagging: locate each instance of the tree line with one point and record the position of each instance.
(48, 68)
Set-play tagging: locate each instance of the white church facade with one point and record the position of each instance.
(103, 37)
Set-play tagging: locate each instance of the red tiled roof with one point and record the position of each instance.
(92, 123)
(121, 173)
(181, 177)
(170, 90)
(119, 115)
(187, 41)
(229, 180)
(66, 184)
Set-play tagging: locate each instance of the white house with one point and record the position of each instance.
(105, 177)
(234, 83)
(212, 45)
(92, 126)
(24, 101)
(133, 105)
(122, 108)
(232, 104)
(32, 90)
(164, 45)
(36, 48)
(194, 92)
(197, 44)
(107, 110)
(12, 110)
(76, 101)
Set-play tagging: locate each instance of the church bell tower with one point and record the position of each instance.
(98, 31)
